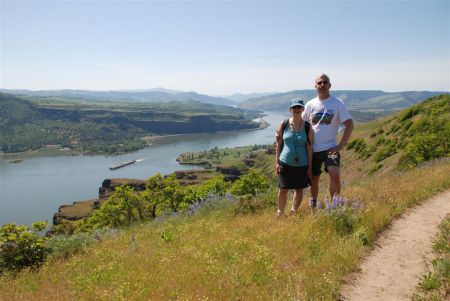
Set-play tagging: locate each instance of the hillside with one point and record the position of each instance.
(107, 127)
(364, 104)
(406, 139)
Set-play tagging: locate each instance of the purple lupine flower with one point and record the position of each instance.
(328, 204)
(229, 197)
(319, 204)
(346, 202)
(194, 207)
(334, 202)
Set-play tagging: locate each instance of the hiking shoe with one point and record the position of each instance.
(280, 213)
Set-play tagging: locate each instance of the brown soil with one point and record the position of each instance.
(394, 267)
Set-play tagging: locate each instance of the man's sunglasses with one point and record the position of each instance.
(323, 82)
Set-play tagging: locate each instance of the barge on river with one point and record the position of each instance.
(119, 165)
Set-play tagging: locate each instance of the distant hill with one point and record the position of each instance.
(144, 96)
(108, 127)
(361, 100)
(239, 97)
(159, 89)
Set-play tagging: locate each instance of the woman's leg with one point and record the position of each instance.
(282, 197)
(298, 196)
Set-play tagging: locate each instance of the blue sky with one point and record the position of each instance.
(224, 47)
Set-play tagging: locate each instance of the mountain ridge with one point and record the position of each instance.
(354, 99)
(144, 95)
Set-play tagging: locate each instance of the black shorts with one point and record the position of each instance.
(322, 157)
(293, 177)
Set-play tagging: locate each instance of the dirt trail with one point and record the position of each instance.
(392, 270)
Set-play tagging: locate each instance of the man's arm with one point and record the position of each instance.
(345, 137)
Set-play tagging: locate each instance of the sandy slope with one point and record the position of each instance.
(392, 270)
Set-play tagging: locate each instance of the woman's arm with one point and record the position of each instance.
(279, 139)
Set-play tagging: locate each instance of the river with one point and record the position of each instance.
(35, 188)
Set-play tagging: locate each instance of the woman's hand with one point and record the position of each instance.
(309, 172)
(277, 168)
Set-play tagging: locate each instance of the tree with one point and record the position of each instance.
(173, 193)
(153, 196)
(215, 185)
(122, 207)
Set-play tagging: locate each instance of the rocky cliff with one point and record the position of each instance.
(81, 209)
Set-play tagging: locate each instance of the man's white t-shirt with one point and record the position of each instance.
(325, 117)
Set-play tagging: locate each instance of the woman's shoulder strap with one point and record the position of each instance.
(307, 128)
(285, 124)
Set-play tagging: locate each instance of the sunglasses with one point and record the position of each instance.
(297, 107)
(323, 82)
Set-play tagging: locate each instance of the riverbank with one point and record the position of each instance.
(57, 150)
(262, 125)
(47, 151)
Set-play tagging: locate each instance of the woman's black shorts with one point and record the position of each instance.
(293, 177)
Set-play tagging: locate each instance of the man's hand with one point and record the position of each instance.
(336, 149)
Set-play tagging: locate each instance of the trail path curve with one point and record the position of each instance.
(393, 269)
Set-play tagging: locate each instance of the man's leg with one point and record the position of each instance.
(317, 161)
(314, 187)
(335, 180)
(332, 167)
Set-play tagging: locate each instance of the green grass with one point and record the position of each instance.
(218, 255)
(435, 284)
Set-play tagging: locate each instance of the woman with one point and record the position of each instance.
(293, 156)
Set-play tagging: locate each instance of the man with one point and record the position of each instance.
(326, 113)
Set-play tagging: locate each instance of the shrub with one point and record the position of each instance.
(409, 113)
(389, 149)
(364, 236)
(215, 185)
(250, 183)
(62, 246)
(361, 148)
(250, 204)
(422, 148)
(22, 247)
